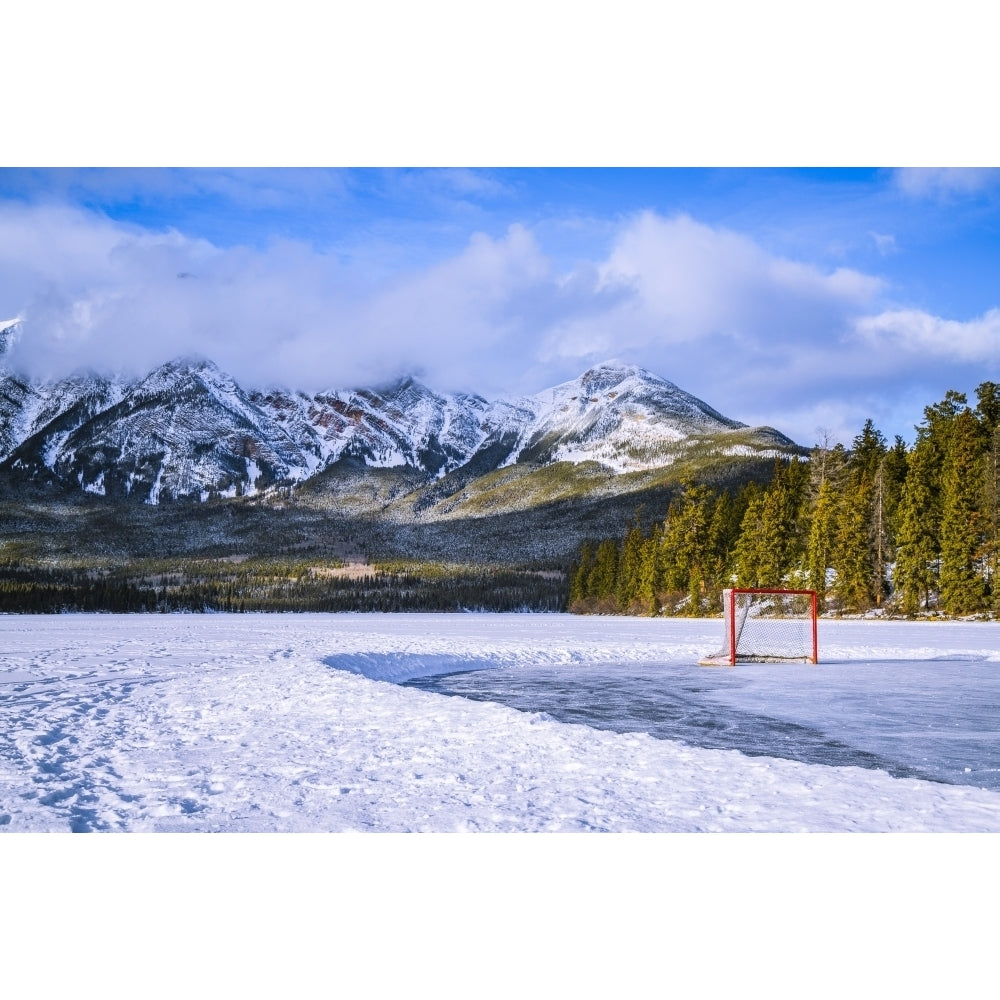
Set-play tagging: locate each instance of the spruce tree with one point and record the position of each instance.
(988, 406)
(797, 513)
(772, 539)
(604, 574)
(685, 544)
(699, 501)
(867, 452)
(579, 589)
(650, 574)
(852, 557)
(894, 468)
(674, 569)
(822, 535)
(723, 532)
(962, 586)
(918, 530)
(861, 546)
(990, 508)
(988, 413)
(758, 553)
(827, 471)
(879, 534)
(629, 569)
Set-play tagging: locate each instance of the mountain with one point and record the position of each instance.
(403, 424)
(9, 330)
(623, 417)
(188, 431)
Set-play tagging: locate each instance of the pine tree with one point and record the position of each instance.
(685, 544)
(851, 552)
(827, 471)
(772, 540)
(674, 568)
(918, 530)
(962, 586)
(797, 513)
(894, 469)
(861, 546)
(579, 589)
(629, 569)
(988, 413)
(650, 573)
(822, 536)
(990, 507)
(988, 406)
(879, 534)
(761, 549)
(867, 452)
(604, 574)
(723, 532)
(939, 418)
(699, 501)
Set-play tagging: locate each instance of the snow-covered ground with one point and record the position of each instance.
(294, 723)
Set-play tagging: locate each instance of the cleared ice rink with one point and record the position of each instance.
(317, 722)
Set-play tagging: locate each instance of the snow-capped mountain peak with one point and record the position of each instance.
(189, 430)
(9, 332)
(619, 415)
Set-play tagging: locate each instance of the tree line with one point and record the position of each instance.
(907, 529)
(270, 585)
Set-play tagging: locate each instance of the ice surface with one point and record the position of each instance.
(902, 717)
(290, 722)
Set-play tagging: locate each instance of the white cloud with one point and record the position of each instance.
(93, 293)
(944, 182)
(764, 338)
(708, 307)
(468, 321)
(458, 181)
(921, 335)
(885, 243)
(696, 280)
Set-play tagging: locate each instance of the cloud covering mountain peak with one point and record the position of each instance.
(188, 430)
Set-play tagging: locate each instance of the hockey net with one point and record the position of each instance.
(767, 626)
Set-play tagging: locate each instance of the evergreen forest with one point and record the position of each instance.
(275, 584)
(876, 528)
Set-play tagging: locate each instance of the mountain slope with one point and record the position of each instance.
(186, 431)
(626, 419)
(401, 424)
(189, 431)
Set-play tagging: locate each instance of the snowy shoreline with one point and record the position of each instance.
(294, 723)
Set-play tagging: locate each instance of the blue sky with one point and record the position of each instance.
(808, 299)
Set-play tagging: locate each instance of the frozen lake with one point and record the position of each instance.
(489, 723)
(936, 719)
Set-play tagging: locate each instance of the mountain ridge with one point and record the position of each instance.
(188, 431)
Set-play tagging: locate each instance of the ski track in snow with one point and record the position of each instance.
(291, 723)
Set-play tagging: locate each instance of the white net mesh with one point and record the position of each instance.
(767, 625)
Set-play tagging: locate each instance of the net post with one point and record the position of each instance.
(731, 595)
(815, 656)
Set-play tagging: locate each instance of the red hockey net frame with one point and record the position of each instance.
(768, 625)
